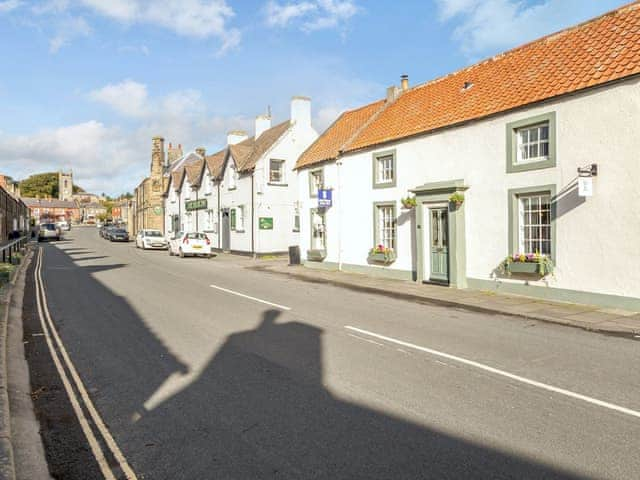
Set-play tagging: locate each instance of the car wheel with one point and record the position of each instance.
(170, 252)
(181, 253)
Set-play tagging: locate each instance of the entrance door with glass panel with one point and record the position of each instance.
(439, 245)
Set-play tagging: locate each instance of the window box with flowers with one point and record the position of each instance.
(381, 254)
(528, 264)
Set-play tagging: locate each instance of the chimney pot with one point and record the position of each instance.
(404, 82)
(201, 151)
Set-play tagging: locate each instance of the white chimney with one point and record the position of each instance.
(236, 136)
(263, 123)
(301, 111)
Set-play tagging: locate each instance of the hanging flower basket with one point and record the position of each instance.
(382, 255)
(457, 199)
(409, 202)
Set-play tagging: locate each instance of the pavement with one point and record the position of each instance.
(206, 369)
(587, 317)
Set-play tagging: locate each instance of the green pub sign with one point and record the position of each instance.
(199, 204)
(266, 223)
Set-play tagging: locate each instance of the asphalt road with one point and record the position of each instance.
(198, 382)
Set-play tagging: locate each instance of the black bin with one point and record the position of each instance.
(294, 255)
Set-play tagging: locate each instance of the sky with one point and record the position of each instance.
(86, 84)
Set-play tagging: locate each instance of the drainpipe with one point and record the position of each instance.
(339, 206)
(196, 213)
(253, 249)
(219, 219)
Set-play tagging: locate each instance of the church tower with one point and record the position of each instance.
(65, 186)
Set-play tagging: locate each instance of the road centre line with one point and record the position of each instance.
(281, 307)
(496, 371)
(49, 332)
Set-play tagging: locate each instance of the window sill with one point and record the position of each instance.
(295, 231)
(385, 184)
(231, 188)
(238, 231)
(207, 194)
(527, 166)
(278, 184)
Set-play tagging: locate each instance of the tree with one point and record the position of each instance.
(40, 185)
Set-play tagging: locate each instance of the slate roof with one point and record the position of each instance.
(46, 203)
(247, 153)
(593, 53)
(194, 172)
(215, 163)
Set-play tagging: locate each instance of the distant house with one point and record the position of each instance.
(52, 209)
(512, 139)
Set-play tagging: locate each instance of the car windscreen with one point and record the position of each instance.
(119, 231)
(47, 226)
(199, 236)
(153, 233)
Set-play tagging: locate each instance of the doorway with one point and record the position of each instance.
(225, 236)
(438, 221)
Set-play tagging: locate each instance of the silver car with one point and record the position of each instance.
(48, 231)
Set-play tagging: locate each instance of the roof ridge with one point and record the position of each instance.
(498, 56)
(359, 130)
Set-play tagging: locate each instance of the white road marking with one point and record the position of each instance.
(281, 307)
(49, 330)
(366, 340)
(496, 371)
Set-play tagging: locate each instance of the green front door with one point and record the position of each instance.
(439, 244)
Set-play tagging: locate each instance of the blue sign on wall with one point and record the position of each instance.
(324, 197)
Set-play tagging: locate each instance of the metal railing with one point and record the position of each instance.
(9, 250)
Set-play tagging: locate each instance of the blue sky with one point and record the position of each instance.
(85, 84)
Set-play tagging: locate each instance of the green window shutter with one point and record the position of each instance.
(232, 218)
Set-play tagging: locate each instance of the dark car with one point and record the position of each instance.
(118, 235)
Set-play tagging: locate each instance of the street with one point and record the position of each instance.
(205, 369)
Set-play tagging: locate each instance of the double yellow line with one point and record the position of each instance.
(61, 360)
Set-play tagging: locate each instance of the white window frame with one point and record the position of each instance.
(282, 170)
(523, 148)
(314, 184)
(535, 219)
(386, 225)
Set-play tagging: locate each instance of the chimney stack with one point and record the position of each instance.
(404, 82)
(301, 111)
(157, 154)
(201, 151)
(236, 136)
(263, 123)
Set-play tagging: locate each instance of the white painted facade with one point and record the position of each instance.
(254, 197)
(596, 237)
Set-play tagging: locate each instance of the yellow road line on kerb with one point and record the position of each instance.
(50, 331)
(496, 371)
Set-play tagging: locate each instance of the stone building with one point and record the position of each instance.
(65, 186)
(149, 210)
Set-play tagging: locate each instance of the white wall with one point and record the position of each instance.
(172, 206)
(596, 241)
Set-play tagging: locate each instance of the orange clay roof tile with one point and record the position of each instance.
(598, 51)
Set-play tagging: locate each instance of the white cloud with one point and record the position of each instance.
(127, 97)
(190, 18)
(143, 49)
(67, 30)
(314, 15)
(489, 26)
(9, 5)
(280, 15)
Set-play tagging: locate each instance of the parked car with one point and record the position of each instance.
(48, 231)
(151, 239)
(194, 243)
(106, 231)
(118, 235)
(63, 225)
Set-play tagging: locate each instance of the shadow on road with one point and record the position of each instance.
(258, 410)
